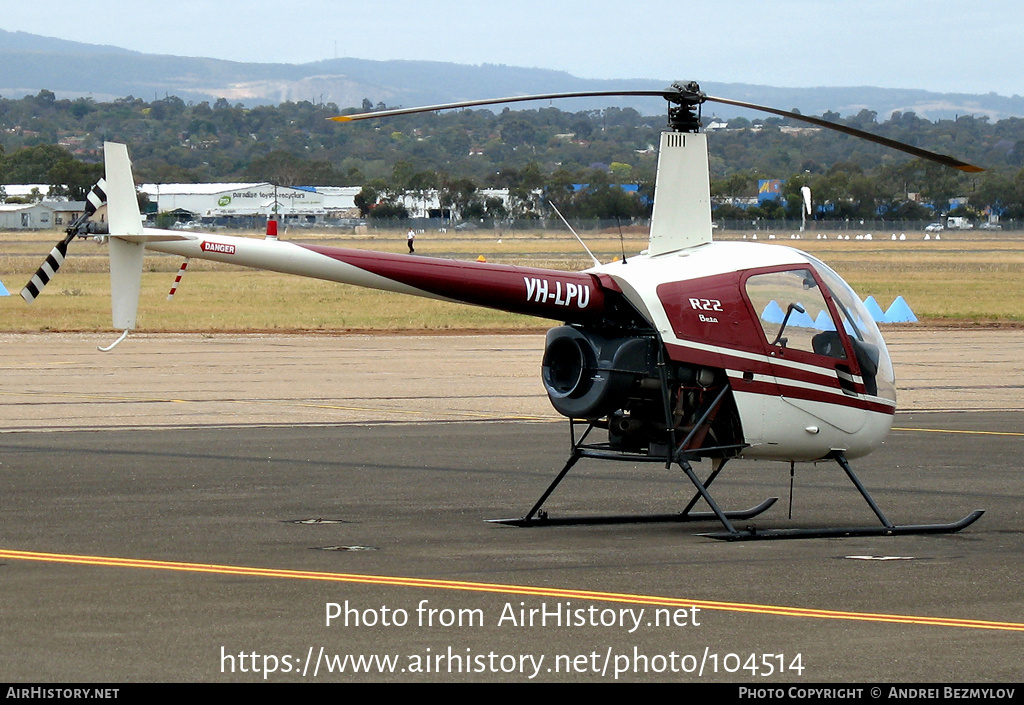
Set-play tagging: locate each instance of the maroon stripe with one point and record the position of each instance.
(720, 359)
(826, 378)
(564, 296)
(838, 399)
(771, 390)
(767, 389)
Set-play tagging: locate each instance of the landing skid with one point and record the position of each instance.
(537, 517)
(581, 449)
(681, 457)
(768, 534)
(886, 529)
(542, 519)
(690, 449)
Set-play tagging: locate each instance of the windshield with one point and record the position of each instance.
(793, 313)
(872, 355)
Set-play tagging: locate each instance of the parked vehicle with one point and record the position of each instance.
(958, 223)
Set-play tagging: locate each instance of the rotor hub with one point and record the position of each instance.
(684, 100)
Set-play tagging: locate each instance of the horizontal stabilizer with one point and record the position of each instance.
(157, 237)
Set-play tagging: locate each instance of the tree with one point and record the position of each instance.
(1002, 192)
(621, 173)
(389, 211)
(82, 107)
(494, 208)
(518, 132)
(45, 98)
(278, 167)
(368, 196)
(742, 184)
(73, 179)
(524, 203)
(461, 196)
(33, 164)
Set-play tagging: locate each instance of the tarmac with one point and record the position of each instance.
(311, 508)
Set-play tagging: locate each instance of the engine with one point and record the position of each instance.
(615, 383)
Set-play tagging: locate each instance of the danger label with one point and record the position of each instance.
(218, 247)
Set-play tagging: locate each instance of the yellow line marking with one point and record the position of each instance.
(969, 433)
(496, 588)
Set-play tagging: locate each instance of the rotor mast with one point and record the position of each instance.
(682, 190)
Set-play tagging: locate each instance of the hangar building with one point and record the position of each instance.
(240, 200)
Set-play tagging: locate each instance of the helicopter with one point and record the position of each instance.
(691, 350)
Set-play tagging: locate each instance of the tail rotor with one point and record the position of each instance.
(48, 269)
(79, 228)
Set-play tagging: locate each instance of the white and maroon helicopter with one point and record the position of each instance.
(691, 350)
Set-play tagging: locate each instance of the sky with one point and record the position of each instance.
(937, 45)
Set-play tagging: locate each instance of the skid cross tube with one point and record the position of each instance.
(886, 529)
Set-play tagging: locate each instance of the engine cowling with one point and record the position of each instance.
(588, 375)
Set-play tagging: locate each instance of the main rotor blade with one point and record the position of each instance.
(498, 101)
(674, 94)
(893, 144)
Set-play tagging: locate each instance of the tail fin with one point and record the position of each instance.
(682, 204)
(124, 220)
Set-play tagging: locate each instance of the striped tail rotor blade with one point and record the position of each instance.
(97, 197)
(46, 270)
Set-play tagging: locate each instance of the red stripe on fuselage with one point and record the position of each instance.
(782, 378)
(562, 296)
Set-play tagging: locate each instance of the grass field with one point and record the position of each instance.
(962, 279)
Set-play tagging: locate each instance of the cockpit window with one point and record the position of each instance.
(868, 345)
(793, 313)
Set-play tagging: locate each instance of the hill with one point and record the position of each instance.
(103, 73)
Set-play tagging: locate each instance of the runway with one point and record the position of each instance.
(202, 526)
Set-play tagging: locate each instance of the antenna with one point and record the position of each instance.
(594, 259)
(622, 243)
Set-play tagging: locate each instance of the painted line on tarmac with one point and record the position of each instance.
(969, 433)
(496, 588)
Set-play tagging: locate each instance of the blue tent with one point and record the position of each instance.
(899, 312)
(3, 290)
(824, 321)
(875, 310)
(773, 313)
(801, 320)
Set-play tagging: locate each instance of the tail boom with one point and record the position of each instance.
(576, 297)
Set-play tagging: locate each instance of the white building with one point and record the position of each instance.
(26, 216)
(428, 204)
(253, 199)
(306, 203)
